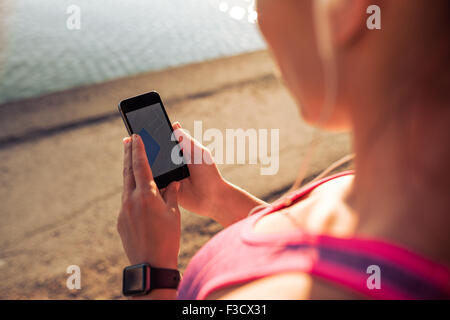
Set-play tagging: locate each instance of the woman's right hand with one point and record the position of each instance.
(200, 191)
(205, 192)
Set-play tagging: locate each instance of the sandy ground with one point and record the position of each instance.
(60, 169)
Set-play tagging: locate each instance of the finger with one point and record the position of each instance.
(176, 125)
(177, 131)
(141, 168)
(188, 144)
(128, 177)
(170, 195)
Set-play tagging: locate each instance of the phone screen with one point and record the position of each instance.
(152, 125)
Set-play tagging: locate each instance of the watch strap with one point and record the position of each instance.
(164, 278)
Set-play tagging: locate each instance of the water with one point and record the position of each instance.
(117, 38)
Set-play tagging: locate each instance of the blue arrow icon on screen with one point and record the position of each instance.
(151, 146)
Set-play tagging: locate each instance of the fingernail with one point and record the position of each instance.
(134, 137)
(177, 125)
(126, 140)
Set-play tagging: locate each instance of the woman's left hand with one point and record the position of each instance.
(149, 220)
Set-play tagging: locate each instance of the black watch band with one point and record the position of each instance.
(164, 278)
(142, 278)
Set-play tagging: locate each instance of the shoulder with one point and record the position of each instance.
(323, 210)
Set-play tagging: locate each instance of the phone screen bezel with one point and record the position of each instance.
(143, 101)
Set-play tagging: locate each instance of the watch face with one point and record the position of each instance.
(135, 279)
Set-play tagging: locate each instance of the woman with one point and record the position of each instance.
(388, 219)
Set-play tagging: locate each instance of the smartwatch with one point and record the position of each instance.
(140, 279)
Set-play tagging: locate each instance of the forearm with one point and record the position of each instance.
(232, 204)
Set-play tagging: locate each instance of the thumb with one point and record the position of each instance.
(170, 195)
(176, 125)
(187, 143)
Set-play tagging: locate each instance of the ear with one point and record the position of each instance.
(347, 20)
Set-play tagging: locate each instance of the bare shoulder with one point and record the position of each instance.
(323, 211)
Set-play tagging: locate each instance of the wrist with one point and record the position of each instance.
(218, 204)
(165, 265)
(162, 262)
(232, 204)
(168, 263)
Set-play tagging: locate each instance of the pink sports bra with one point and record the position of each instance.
(237, 255)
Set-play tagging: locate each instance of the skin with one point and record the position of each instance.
(391, 95)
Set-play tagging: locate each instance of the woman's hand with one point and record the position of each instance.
(205, 192)
(149, 221)
(200, 191)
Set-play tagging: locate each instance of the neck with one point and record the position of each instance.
(402, 180)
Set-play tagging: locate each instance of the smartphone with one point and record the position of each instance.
(145, 115)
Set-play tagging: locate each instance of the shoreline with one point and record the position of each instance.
(28, 117)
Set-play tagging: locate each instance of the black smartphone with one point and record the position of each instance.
(145, 115)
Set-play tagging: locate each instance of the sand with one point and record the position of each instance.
(61, 158)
